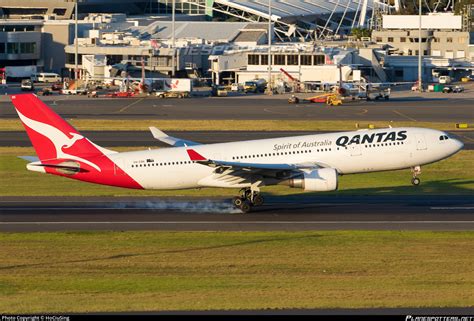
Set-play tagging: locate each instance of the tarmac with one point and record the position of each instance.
(293, 213)
(455, 108)
(145, 139)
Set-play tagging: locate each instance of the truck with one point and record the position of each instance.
(19, 72)
(172, 87)
(255, 86)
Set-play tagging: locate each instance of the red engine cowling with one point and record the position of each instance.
(319, 180)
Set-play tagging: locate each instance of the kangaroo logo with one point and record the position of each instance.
(58, 138)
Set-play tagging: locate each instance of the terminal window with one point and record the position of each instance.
(264, 59)
(2, 47)
(306, 60)
(318, 60)
(292, 60)
(13, 48)
(27, 47)
(253, 59)
(279, 60)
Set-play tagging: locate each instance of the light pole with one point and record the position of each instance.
(420, 75)
(173, 63)
(76, 46)
(269, 84)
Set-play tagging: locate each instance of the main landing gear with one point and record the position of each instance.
(415, 172)
(248, 197)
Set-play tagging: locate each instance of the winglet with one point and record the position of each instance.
(157, 134)
(195, 156)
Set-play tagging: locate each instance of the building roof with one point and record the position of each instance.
(292, 8)
(210, 31)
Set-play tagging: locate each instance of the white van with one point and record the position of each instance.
(45, 77)
(444, 79)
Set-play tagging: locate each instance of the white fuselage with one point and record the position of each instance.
(348, 152)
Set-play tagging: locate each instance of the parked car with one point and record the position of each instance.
(27, 85)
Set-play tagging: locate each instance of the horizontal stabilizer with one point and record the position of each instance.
(29, 158)
(173, 141)
(66, 167)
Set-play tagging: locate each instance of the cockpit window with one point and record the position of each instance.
(443, 137)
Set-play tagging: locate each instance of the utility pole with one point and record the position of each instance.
(269, 83)
(173, 41)
(76, 46)
(420, 75)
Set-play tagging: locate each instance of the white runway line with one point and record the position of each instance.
(461, 208)
(242, 222)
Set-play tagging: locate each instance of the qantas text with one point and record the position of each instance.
(372, 138)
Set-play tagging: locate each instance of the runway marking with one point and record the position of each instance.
(403, 115)
(274, 112)
(239, 222)
(452, 208)
(466, 137)
(129, 105)
(363, 112)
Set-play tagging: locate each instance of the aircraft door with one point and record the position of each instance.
(420, 142)
(355, 149)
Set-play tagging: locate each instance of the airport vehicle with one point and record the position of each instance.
(453, 89)
(45, 77)
(45, 92)
(310, 162)
(219, 91)
(27, 85)
(444, 80)
(78, 91)
(172, 94)
(18, 72)
(293, 100)
(331, 99)
(236, 87)
(255, 86)
(57, 86)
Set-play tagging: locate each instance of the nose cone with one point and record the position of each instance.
(458, 144)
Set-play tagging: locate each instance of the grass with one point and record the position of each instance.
(267, 125)
(454, 175)
(155, 271)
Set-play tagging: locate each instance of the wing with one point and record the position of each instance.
(173, 141)
(236, 174)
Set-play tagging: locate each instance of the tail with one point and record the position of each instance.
(52, 137)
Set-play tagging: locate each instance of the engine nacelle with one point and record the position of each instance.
(319, 180)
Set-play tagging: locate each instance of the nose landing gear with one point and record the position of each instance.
(248, 197)
(415, 172)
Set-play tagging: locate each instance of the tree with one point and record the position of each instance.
(360, 32)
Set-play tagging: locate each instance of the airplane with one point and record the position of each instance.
(310, 162)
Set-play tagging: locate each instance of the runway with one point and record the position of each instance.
(295, 213)
(450, 109)
(144, 138)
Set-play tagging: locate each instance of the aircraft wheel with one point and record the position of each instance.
(258, 200)
(245, 207)
(237, 201)
(415, 181)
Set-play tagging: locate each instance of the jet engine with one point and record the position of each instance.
(319, 180)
